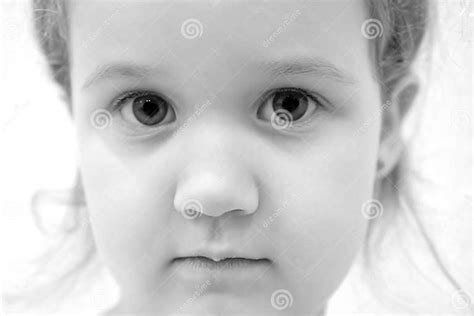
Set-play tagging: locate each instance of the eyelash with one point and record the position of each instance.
(119, 101)
(312, 96)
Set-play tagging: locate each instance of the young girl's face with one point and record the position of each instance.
(200, 133)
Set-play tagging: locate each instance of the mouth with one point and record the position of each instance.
(223, 269)
(203, 262)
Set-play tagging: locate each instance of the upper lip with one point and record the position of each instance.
(221, 253)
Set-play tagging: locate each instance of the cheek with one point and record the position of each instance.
(125, 206)
(322, 227)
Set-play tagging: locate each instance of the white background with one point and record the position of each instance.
(37, 151)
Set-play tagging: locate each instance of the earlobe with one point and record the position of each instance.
(390, 152)
(405, 94)
(394, 112)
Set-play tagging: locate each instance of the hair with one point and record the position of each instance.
(405, 25)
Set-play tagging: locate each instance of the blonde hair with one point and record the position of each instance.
(405, 24)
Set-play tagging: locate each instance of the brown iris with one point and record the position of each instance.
(149, 109)
(295, 102)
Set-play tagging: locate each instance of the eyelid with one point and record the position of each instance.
(120, 100)
(320, 101)
(136, 131)
(321, 104)
(316, 97)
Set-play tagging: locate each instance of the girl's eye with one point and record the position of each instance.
(146, 108)
(289, 104)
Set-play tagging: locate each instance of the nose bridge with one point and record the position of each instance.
(214, 178)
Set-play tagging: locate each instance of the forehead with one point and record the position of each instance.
(183, 36)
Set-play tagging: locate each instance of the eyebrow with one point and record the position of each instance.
(309, 65)
(303, 65)
(120, 70)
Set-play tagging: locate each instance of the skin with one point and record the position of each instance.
(292, 195)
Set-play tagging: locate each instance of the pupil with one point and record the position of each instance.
(290, 103)
(150, 108)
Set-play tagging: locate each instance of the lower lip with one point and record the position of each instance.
(230, 269)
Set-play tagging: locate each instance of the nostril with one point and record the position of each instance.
(235, 212)
(240, 212)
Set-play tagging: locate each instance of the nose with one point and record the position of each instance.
(216, 176)
(214, 189)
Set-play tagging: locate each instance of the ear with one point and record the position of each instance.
(394, 111)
